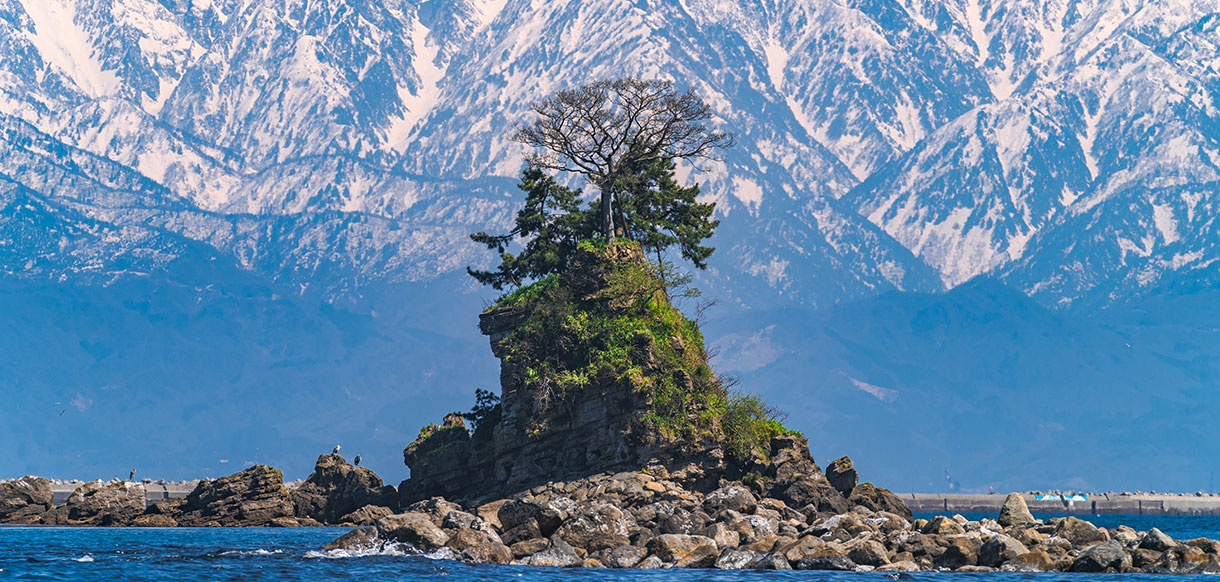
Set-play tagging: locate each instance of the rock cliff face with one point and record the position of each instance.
(336, 489)
(23, 500)
(600, 373)
(256, 496)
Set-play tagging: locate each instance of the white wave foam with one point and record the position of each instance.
(83, 559)
(258, 552)
(389, 549)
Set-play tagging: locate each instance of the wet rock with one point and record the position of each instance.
(1181, 560)
(650, 563)
(525, 548)
(415, 529)
(1101, 557)
(999, 549)
(842, 475)
(1204, 545)
(24, 500)
(253, 497)
(558, 555)
(362, 538)
(1015, 511)
(1156, 541)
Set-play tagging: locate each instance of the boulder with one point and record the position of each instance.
(547, 515)
(685, 551)
(734, 497)
(960, 551)
(1181, 560)
(96, 503)
(942, 526)
(529, 547)
(253, 497)
(336, 488)
(414, 529)
(722, 535)
(1000, 549)
(771, 562)
(1079, 532)
(878, 499)
(814, 492)
(24, 500)
(826, 559)
(153, 520)
(590, 521)
(1015, 511)
(362, 538)
(869, 553)
(1156, 541)
(367, 515)
(842, 475)
(736, 559)
(479, 546)
(1033, 561)
(625, 557)
(558, 555)
(1102, 557)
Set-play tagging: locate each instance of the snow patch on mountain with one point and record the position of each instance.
(66, 46)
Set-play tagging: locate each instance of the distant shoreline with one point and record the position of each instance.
(1124, 503)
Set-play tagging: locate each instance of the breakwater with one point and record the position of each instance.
(153, 490)
(1134, 503)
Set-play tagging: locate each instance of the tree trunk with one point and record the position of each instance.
(607, 213)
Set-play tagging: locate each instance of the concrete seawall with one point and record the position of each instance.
(1142, 504)
(154, 491)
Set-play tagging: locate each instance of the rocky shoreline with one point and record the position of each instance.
(336, 493)
(649, 519)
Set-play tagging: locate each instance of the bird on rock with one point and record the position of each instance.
(356, 461)
(336, 451)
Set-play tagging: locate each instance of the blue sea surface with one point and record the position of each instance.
(257, 554)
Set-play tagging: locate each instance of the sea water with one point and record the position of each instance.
(257, 554)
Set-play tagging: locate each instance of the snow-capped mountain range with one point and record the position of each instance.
(249, 211)
(885, 144)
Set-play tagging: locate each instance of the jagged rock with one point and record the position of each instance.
(1156, 541)
(336, 488)
(1000, 549)
(805, 546)
(154, 520)
(1102, 557)
(942, 526)
(412, 528)
(24, 500)
(722, 535)
(480, 546)
(588, 521)
(1079, 532)
(361, 538)
(1205, 545)
(1033, 561)
(736, 559)
(869, 553)
(686, 551)
(285, 522)
(826, 559)
(960, 551)
(253, 497)
(367, 515)
(878, 499)
(771, 562)
(1015, 511)
(732, 497)
(842, 475)
(558, 555)
(1181, 560)
(815, 492)
(96, 503)
(626, 556)
(546, 515)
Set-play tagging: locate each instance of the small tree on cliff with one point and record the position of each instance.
(623, 136)
(609, 130)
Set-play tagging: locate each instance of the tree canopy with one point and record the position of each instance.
(610, 129)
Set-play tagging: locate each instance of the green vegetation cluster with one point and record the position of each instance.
(591, 281)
